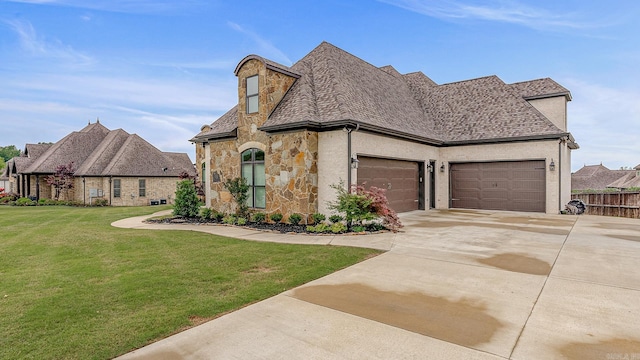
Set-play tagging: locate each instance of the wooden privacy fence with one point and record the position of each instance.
(622, 204)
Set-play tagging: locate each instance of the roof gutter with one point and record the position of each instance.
(340, 124)
(213, 137)
(506, 140)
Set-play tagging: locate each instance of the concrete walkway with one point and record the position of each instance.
(453, 285)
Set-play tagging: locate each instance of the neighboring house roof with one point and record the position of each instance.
(98, 151)
(335, 88)
(630, 180)
(596, 177)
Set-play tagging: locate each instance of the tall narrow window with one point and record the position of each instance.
(253, 171)
(116, 188)
(142, 187)
(252, 94)
(204, 173)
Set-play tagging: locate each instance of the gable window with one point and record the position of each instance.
(116, 188)
(142, 187)
(252, 94)
(253, 172)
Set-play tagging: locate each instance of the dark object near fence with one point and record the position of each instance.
(575, 207)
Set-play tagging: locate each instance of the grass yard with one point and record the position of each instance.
(73, 287)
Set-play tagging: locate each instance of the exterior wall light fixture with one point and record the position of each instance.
(552, 166)
(442, 167)
(354, 163)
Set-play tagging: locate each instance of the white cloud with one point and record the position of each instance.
(495, 10)
(38, 46)
(606, 123)
(267, 49)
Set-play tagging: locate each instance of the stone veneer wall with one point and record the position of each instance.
(290, 158)
(291, 171)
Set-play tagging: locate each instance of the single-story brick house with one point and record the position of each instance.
(108, 164)
(331, 117)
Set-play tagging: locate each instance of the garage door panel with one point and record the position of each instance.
(403, 194)
(508, 185)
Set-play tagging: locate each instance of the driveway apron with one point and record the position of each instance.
(454, 284)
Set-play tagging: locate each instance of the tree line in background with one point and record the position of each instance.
(7, 153)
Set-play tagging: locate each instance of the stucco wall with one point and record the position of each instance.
(554, 108)
(332, 162)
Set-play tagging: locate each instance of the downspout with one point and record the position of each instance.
(560, 174)
(349, 160)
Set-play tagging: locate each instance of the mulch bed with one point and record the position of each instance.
(282, 228)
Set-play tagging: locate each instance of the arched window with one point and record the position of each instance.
(253, 171)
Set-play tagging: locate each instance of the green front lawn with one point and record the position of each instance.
(73, 287)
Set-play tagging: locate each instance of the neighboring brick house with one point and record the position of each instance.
(599, 177)
(333, 117)
(114, 165)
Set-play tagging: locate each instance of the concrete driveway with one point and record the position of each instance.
(454, 285)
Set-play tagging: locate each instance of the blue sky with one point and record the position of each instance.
(163, 68)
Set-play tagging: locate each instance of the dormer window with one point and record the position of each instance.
(252, 94)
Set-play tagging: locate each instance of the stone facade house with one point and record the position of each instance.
(332, 117)
(114, 165)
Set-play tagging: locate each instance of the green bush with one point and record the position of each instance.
(259, 217)
(358, 228)
(23, 201)
(374, 226)
(241, 221)
(206, 213)
(239, 189)
(338, 228)
(187, 203)
(218, 216)
(295, 218)
(318, 218)
(276, 217)
(319, 228)
(101, 202)
(230, 219)
(335, 218)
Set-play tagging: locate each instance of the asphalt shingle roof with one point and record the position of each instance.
(98, 151)
(336, 87)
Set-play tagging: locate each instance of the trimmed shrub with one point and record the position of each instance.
(206, 213)
(23, 201)
(338, 228)
(101, 202)
(230, 219)
(295, 218)
(259, 217)
(318, 218)
(276, 217)
(358, 228)
(319, 228)
(218, 216)
(335, 218)
(241, 221)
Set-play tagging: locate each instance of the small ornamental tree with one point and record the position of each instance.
(239, 189)
(361, 204)
(62, 178)
(187, 203)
